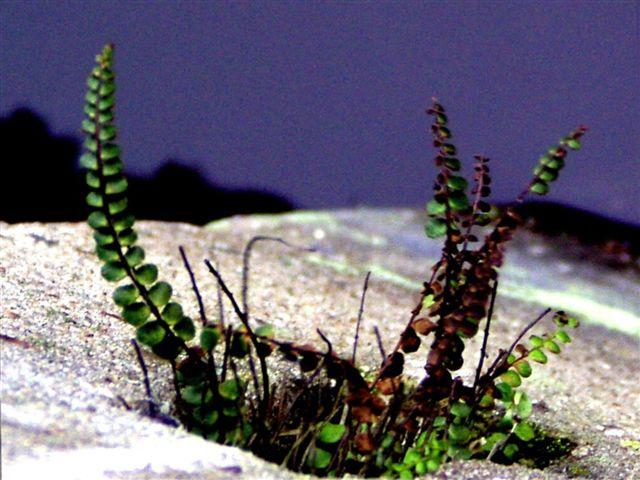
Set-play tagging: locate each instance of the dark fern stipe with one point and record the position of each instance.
(332, 419)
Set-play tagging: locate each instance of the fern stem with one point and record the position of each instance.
(252, 336)
(485, 338)
(360, 313)
(194, 285)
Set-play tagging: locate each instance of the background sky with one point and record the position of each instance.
(323, 102)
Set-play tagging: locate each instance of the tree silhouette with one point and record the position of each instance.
(42, 182)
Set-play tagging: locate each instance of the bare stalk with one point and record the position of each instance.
(194, 285)
(360, 312)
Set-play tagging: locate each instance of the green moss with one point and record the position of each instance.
(219, 225)
(578, 470)
(336, 265)
(390, 276)
(631, 444)
(43, 343)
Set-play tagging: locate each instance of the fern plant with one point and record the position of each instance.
(332, 419)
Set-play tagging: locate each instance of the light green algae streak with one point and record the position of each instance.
(274, 220)
(586, 309)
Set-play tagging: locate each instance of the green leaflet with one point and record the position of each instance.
(523, 368)
(94, 200)
(319, 459)
(116, 186)
(108, 253)
(436, 228)
(172, 313)
(573, 144)
(151, 333)
(97, 220)
(206, 416)
(229, 390)
(160, 293)
(122, 222)
(455, 182)
(134, 256)
(524, 431)
(331, 433)
(266, 331)
(511, 378)
(89, 161)
(563, 336)
(136, 313)
(540, 187)
(459, 433)
(461, 410)
(146, 274)
(538, 355)
(92, 179)
(436, 208)
(113, 271)
(118, 206)
(552, 346)
(209, 337)
(523, 405)
(125, 295)
(195, 394)
(185, 329)
(127, 237)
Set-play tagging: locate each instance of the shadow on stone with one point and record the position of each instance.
(538, 453)
(596, 237)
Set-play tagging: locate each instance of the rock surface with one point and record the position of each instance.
(67, 363)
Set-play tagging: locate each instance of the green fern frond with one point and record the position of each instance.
(144, 300)
(450, 204)
(549, 165)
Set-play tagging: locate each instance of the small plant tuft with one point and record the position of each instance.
(332, 419)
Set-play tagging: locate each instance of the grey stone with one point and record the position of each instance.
(67, 362)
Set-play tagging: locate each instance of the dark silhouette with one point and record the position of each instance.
(180, 193)
(614, 242)
(556, 219)
(41, 181)
(39, 177)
